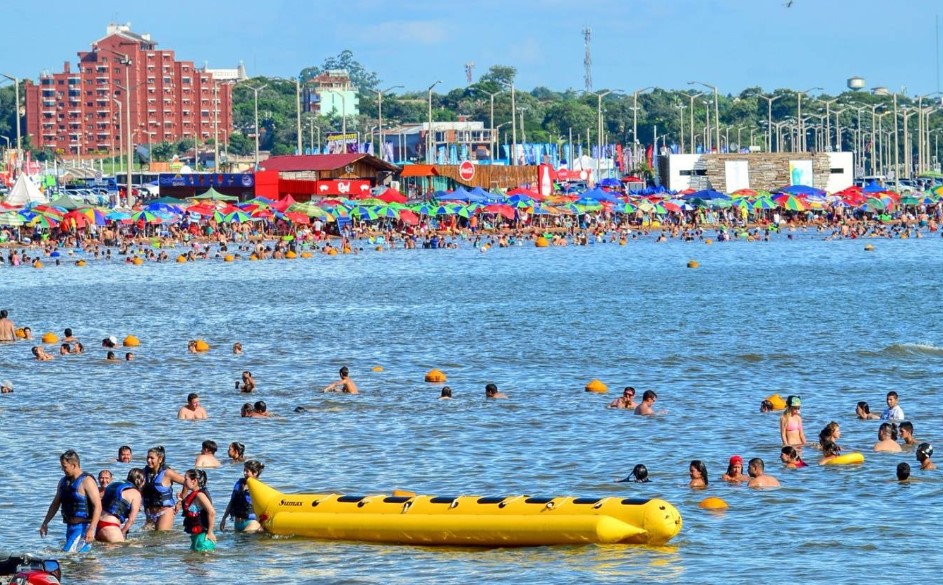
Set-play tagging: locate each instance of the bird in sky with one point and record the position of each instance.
(788, 4)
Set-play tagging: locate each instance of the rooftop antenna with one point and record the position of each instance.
(469, 72)
(588, 60)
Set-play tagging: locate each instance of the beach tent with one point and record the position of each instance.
(214, 195)
(24, 192)
(66, 202)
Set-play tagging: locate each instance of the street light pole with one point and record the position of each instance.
(491, 139)
(769, 120)
(599, 95)
(120, 144)
(635, 141)
(799, 116)
(380, 117)
(716, 109)
(429, 136)
(16, 110)
(256, 91)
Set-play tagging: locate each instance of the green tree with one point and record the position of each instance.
(499, 74)
(360, 77)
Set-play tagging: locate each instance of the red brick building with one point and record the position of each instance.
(81, 111)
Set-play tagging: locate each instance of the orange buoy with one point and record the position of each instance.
(289, 255)
(693, 264)
(201, 346)
(181, 259)
(131, 341)
(50, 338)
(228, 258)
(80, 262)
(137, 261)
(20, 333)
(306, 254)
(377, 368)
(541, 242)
(597, 387)
(435, 376)
(713, 504)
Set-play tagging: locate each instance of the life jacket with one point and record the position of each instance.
(155, 494)
(240, 503)
(196, 520)
(113, 501)
(75, 506)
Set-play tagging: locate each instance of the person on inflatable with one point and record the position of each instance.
(240, 502)
(199, 516)
(77, 495)
(829, 451)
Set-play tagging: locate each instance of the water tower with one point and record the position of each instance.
(882, 91)
(855, 83)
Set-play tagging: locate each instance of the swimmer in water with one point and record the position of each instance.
(698, 472)
(344, 385)
(906, 431)
(207, 456)
(237, 452)
(829, 451)
(831, 432)
(735, 470)
(40, 353)
(903, 471)
(240, 502)
(887, 439)
(863, 411)
(491, 392)
(446, 393)
(924, 452)
(237, 348)
(626, 401)
(124, 454)
(121, 503)
(791, 458)
(646, 407)
(758, 476)
(639, 475)
(192, 409)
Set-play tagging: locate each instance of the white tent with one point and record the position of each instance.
(23, 192)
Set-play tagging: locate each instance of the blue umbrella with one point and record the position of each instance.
(609, 182)
(798, 190)
(705, 195)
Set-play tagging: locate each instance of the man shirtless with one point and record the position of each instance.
(758, 479)
(7, 332)
(345, 384)
(646, 408)
(192, 409)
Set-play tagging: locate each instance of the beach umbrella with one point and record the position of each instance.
(364, 212)
(75, 220)
(764, 203)
(800, 190)
(236, 217)
(669, 206)
(387, 211)
(408, 216)
(744, 193)
(501, 209)
(48, 211)
(392, 196)
(117, 216)
(296, 217)
(43, 222)
(147, 216)
(11, 218)
(704, 195)
(790, 202)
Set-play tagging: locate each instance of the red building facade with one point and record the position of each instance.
(83, 111)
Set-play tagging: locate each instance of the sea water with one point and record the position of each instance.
(822, 319)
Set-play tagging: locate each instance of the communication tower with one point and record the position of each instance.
(588, 60)
(469, 72)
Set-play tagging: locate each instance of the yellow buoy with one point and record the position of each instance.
(306, 254)
(693, 264)
(181, 259)
(20, 333)
(596, 386)
(228, 258)
(541, 242)
(332, 252)
(50, 337)
(778, 402)
(435, 376)
(379, 248)
(377, 368)
(80, 263)
(346, 250)
(253, 256)
(289, 255)
(713, 504)
(622, 242)
(131, 341)
(137, 261)
(708, 241)
(201, 345)
(37, 264)
(869, 247)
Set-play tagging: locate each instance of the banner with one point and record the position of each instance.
(338, 143)
(800, 173)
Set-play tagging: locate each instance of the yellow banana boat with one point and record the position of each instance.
(465, 520)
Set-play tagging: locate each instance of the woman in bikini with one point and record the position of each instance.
(790, 423)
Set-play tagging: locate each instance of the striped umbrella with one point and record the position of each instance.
(764, 203)
(236, 217)
(790, 202)
(147, 216)
(364, 212)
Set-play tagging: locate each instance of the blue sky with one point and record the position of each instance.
(733, 44)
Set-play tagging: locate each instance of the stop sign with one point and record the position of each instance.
(563, 175)
(466, 170)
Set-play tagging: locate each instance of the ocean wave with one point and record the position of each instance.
(909, 349)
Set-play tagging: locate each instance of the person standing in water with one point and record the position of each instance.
(199, 516)
(344, 385)
(77, 495)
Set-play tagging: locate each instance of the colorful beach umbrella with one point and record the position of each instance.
(236, 217)
(791, 202)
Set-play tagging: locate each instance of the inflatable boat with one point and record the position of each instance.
(465, 520)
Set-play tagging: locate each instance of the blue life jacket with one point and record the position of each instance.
(112, 501)
(75, 506)
(155, 494)
(240, 503)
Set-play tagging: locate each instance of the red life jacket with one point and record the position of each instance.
(194, 522)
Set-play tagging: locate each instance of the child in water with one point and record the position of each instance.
(198, 512)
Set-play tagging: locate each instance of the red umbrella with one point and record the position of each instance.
(392, 196)
(283, 204)
(408, 217)
(74, 220)
(297, 217)
(501, 209)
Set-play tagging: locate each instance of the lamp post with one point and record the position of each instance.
(923, 131)
(692, 97)
(681, 108)
(16, 110)
(256, 91)
(906, 113)
(125, 60)
(874, 109)
(882, 160)
(513, 156)
(635, 119)
(120, 144)
(380, 116)
(716, 108)
(769, 120)
(799, 95)
(828, 124)
(838, 112)
(599, 95)
(429, 138)
(491, 140)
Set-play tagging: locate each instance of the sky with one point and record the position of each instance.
(731, 44)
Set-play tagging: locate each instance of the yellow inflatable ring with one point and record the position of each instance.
(846, 459)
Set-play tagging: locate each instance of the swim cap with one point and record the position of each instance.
(113, 339)
(736, 459)
(925, 449)
(6, 384)
(794, 401)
